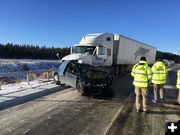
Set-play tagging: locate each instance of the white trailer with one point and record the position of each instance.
(129, 51)
(111, 50)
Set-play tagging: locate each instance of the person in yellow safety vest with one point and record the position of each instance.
(178, 85)
(142, 76)
(159, 71)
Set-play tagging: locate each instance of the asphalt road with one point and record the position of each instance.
(64, 112)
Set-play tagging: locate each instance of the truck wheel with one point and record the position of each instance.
(80, 88)
(56, 79)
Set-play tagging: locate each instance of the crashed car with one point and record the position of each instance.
(85, 78)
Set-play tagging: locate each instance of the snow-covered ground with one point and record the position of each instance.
(12, 91)
(8, 65)
(22, 86)
(15, 90)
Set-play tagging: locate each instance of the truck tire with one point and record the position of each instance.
(56, 79)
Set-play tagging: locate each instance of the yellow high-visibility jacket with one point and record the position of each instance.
(178, 79)
(142, 74)
(159, 73)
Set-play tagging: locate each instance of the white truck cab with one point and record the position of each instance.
(93, 49)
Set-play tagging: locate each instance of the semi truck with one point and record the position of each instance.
(115, 51)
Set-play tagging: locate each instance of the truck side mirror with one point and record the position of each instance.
(95, 52)
(71, 50)
(57, 55)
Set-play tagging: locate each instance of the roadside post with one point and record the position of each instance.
(47, 75)
(27, 77)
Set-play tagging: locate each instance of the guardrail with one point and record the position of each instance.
(27, 73)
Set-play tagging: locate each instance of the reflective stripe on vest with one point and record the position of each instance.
(140, 73)
(159, 73)
(159, 80)
(141, 81)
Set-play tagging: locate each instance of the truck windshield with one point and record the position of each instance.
(83, 49)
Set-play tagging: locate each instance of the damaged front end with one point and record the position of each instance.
(97, 80)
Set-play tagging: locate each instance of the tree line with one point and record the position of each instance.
(168, 56)
(17, 51)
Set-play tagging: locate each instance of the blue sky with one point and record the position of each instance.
(61, 23)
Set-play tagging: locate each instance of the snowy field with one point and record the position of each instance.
(13, 65)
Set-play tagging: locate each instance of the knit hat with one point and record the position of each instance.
(143, 58)
(160, 59)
